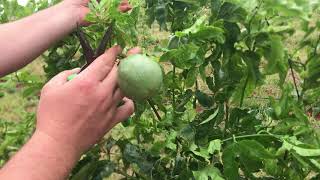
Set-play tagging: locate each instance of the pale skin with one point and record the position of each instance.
(72, 116)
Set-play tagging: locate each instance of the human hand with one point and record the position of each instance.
(80, 7)
(80, 112)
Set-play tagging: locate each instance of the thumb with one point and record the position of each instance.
(62, 77)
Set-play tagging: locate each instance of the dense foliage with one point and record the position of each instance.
(200, 126)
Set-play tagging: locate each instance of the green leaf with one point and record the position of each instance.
(254, 149)
(252, 76)
(191, 77)
(232, 13)
(184, 57)
(230, 165)
(209, 33)
(202, 72)
(86, 171)
(305, 152)
(206, 173)
(194, 28)
(31, 90)
(204, 99)
(201, 152)
(276, 56)
(211, 117)
(214, 146)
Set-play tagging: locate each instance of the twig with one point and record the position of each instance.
(154, 109)
(173, 91)
(244, 91)
(226, 118)
(294, 79)
(262, 98)
(195, 98)
(74, 53)
(17, 76)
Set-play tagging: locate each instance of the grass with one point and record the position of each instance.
(13, 104)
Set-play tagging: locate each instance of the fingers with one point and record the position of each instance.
(102, 66)
(134, 51)
(124, 6)
(62, 78)
(125, 111)
(118, 95)
(110, 82)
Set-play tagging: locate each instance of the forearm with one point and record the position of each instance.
(41, 158)
(24, 40)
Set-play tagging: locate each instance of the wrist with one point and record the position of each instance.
(54, 152)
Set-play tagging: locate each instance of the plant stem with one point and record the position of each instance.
(18, 79)
(173, 92)
(154, 109)
(294, 78)
(195, 98)
(249, 136)
(316, 47)
(226, 117)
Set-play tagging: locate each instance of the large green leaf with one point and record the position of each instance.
(184, 57)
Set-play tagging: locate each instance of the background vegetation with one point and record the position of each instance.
(240, 99)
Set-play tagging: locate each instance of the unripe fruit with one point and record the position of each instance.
(139, 77)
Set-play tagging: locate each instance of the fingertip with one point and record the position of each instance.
(130, 105)
(135, 50)
(115, 50)
(76, 70)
